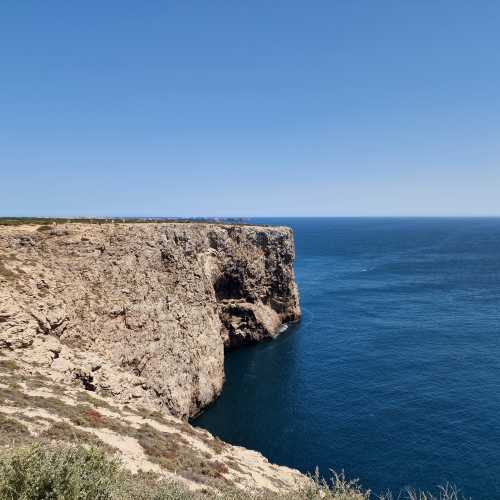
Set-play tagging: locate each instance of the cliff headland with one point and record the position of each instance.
(105, 326)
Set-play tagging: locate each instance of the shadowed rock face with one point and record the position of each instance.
(144, 311)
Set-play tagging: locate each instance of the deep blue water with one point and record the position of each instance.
(393, 373)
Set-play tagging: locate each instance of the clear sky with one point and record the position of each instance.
(188, 108)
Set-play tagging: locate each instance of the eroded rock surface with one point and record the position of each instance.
(143, 311)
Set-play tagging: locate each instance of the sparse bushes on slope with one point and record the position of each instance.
(63, 472)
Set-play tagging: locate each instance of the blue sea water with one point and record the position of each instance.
(393, 374)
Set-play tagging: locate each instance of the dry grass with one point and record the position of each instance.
(63, 432)
(77, 473)
(446, 492)
(13, 432)
(170, 450)
(8, 364)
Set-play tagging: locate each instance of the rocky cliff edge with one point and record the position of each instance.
(143, 312)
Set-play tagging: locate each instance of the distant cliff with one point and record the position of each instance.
(144, 311)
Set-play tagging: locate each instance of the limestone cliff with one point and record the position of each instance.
(143, 311)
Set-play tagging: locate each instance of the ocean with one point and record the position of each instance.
(393, 374)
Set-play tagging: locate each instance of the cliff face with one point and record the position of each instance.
(143, 311)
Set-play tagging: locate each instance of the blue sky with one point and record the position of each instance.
(250, 108)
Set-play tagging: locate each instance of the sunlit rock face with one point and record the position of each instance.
(144, 311)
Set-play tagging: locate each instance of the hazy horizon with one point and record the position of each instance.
(336, 109)
(208, 216)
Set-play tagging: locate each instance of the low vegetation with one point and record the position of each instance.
(46, 223)
(73, 419)
(68, 472)
(37, 461)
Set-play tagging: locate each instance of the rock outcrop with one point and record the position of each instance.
(143, 312)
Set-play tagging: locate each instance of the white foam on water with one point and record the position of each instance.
(283, 328)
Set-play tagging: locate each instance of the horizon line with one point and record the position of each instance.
(166, 217)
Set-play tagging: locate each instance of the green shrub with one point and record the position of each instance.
(57, 473)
